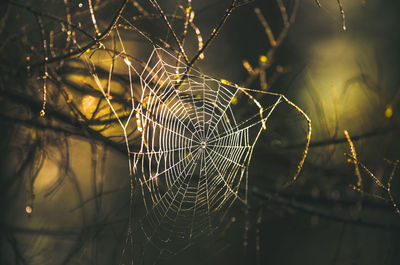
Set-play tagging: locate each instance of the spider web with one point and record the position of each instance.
(194, 151)
(194, 154)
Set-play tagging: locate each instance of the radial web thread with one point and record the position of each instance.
(194, 153)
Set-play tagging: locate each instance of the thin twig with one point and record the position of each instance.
(214, 33)
(95, 40)
(309, 209)
(164, 17)
(342, 15)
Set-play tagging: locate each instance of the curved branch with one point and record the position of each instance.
(95, 40)
(309, 209)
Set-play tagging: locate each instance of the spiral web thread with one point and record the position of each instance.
(194, 154)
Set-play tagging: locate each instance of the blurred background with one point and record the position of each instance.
(65, 194)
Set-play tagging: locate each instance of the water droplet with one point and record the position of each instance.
(126, 60)
(28, 209)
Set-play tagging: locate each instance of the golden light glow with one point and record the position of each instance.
(88, 105)
(226, 82)
(263, 59)
(234, 100)
(389, 111)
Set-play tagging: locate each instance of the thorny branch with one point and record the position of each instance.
(378, 182)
